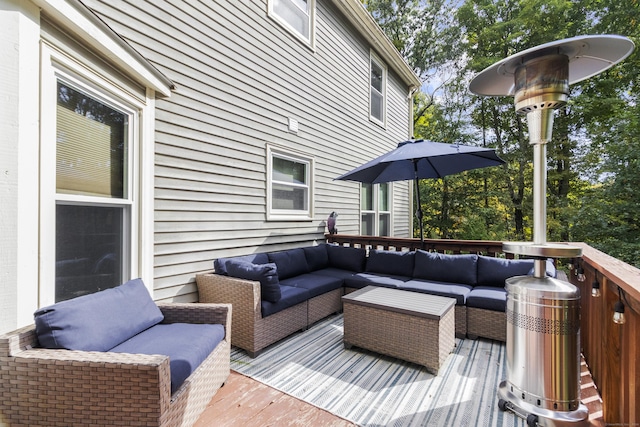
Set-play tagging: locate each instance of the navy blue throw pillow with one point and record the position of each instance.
(266, 274)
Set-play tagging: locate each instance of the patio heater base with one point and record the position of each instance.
(536, 416)
(543, 352)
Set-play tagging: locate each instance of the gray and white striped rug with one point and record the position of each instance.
(373, 390)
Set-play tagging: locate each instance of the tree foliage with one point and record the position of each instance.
(594, 158)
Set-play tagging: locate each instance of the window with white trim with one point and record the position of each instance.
(378, 90)
(90, 201)
(375, 209)
(297, 16)
(289, 185)
(93, 193)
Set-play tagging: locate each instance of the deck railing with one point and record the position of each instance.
(611, 350)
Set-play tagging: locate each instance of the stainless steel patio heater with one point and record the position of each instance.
(543, 313)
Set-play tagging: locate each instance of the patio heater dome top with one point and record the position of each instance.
(588, 55)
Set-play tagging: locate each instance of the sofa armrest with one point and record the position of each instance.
(198, 313)
(243, 295)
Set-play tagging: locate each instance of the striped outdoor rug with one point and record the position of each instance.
(372, 390)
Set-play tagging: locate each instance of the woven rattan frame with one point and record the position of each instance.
(324, 305)
(416, 339)
(250, 331)
(460, 316)
(42, 387)
(487, 324)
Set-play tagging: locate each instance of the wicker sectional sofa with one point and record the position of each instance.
(115, 358)
(278, 293)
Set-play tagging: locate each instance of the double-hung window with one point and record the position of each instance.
(289, 178)
(90, 213)
(378, 90)
(375, 209)
(93, 192)
(297, 16)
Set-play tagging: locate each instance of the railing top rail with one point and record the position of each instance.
(622, 274)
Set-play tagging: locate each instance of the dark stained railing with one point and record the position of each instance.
(611, 350)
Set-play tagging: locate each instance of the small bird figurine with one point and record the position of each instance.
(331, 223)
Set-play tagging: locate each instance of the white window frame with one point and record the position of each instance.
(78, 73)
(308, 41)
(375, 59)
(376, 209)
(286, 214)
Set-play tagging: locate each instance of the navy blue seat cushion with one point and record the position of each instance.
(335, 272)
(488, 298)
(266, 274)
(186, 344)
(346, 258)
(220, 264)
(390, 262)
(446, 268)
(290, 263)
(445, 289)
(317, 256)
(316, 284)
(290, 297)
(361, 280)
(99, 321)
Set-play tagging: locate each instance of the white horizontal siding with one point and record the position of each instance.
(239, 77)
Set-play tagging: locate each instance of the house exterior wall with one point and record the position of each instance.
(215, 85)
(19, 130)
(239, 77)
(28, 44)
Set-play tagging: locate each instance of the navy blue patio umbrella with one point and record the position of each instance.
(420, 159)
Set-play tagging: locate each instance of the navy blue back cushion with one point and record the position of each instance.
(186, 344)
(220, 264)
(99, 321)
(346, 258)
(266, 274)
(446, 268)
(390, 262)
(494, 271)
(317, 256)
(290, 263)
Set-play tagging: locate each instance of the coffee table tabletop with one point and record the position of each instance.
(413, 303)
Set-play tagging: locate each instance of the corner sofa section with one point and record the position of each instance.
(304, 285)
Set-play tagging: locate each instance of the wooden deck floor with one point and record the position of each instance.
(245, 402)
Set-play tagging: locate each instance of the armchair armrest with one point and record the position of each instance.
(198, 313)
(65, 387)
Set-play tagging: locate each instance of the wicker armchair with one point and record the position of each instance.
(42, 387)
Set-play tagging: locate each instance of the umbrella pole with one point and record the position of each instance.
(419, 207)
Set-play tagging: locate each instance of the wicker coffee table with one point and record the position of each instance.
(411, 326)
